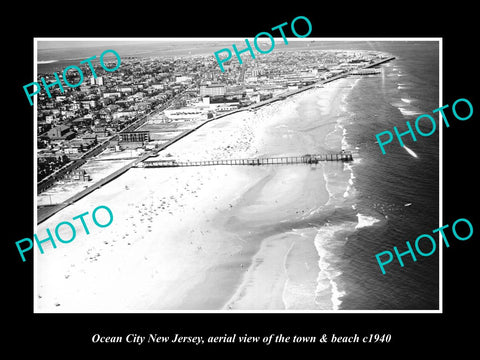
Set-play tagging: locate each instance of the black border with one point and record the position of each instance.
(412, 334)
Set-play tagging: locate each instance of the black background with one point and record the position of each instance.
(65, 335)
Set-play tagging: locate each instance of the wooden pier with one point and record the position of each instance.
(305, 159)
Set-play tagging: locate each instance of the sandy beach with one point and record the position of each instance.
(205, 238)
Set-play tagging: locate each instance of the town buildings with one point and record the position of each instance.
(72, 122)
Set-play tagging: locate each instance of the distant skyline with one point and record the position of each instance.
(73, 43)
(63, 43)
(53, 54)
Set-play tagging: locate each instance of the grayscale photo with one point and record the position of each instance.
(164, 184)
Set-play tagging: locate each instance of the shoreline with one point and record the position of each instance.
(292, 258)
(176, 237)
(53, 208)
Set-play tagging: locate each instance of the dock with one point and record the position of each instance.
(284, 160)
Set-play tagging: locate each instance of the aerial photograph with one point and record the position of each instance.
(169, 179)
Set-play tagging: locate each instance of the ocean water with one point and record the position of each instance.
(375, 202)
(388, 199)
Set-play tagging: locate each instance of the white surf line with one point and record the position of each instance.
(410, 151)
